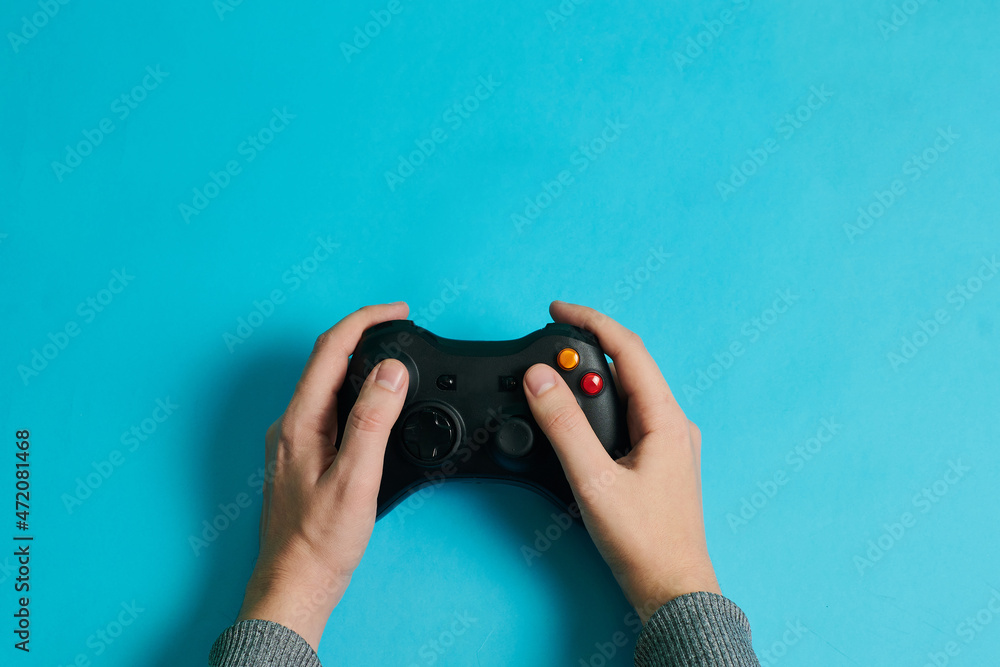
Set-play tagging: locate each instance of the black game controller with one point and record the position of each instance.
(466, 415)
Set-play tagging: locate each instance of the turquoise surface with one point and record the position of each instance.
(797, 205)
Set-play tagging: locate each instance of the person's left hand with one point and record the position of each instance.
(319, 503)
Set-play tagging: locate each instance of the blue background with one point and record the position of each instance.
(655, 187)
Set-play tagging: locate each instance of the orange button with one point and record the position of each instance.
(568, 359)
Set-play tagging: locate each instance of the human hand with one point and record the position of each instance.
(643, 511)
(319, 503)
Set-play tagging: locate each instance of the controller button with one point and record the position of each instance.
(515, 437)
(429, 434)
(447, 383)
(592, 384)
(508, 383)
(568, 359)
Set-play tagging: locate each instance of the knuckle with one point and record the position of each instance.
(290, 432)
(367, 418)
(676, 429)
(272, 437)
(658, 415)
(695, 434)
(594, 321)
(632, 339)
(365, 313)
(322, 340)
(354, 491)
(273, 431)
(661, 395)
(564, 418)
(330, 340)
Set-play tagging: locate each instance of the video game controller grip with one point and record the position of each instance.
(466, 415)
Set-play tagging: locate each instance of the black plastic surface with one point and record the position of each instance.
(497, 437)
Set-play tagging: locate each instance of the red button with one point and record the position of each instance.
(592, 384)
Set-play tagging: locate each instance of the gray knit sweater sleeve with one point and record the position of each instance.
(695, 630)
(261, 644)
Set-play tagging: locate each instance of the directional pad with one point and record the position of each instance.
(429, 434)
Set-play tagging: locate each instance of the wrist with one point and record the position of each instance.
(303, 605)
(653, 594)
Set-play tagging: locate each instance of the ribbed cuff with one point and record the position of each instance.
(261, 644)
(696, 630)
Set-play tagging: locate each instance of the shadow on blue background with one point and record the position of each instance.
(243, 404)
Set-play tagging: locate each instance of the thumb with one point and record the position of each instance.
(560, 417)
(362, 449)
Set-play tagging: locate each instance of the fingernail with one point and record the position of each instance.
(539, 379)
(390, 375)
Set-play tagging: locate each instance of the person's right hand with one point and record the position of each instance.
(643, 511)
